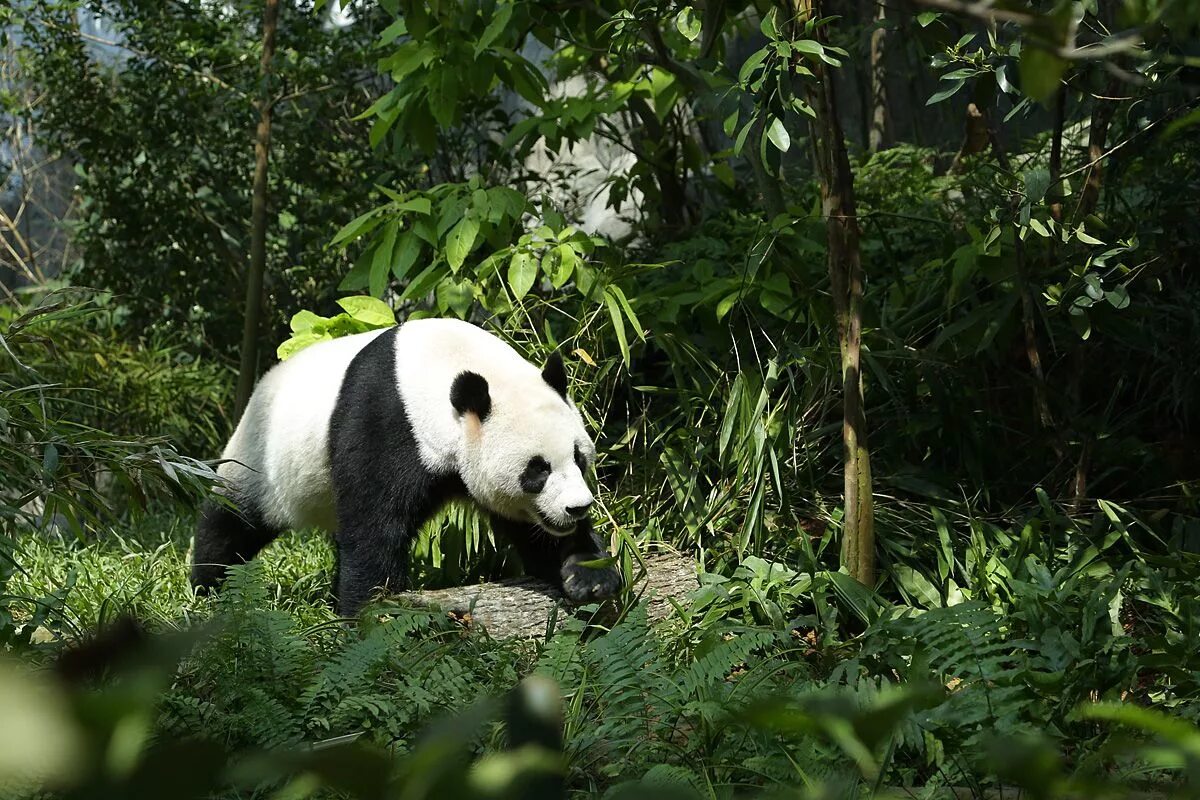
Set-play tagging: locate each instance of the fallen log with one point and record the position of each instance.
(528, 607)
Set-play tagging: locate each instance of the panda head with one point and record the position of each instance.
(524, 451)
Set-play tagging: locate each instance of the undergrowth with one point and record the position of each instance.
(771, 677)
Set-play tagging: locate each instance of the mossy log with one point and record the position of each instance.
(527, 607)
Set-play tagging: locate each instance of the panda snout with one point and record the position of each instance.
(580, 511)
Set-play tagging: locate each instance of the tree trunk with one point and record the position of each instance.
(1102, 116)
(877, 134)
(529, 608)
(258, 217)
(846, 283)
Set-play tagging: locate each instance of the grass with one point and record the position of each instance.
(144, 572)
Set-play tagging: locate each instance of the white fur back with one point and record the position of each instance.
(282, 441)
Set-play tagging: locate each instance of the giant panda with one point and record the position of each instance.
(366, 436)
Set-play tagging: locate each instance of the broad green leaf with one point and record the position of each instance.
(455, 296)
(727, 303)
(424, 282)
(960, 74)
(418, 204)
(381, 263)
(926, 17)
(1084, 237)
(1037, 225)
(496, 27)
(370, 310)
(294, 345)
(1037, 181)
(305, 320)
(767, 26)
(407, 250)
(564, 266)
(460, 241)
(945, 93)
(1081, 324)
(1117, 297)
(779, 135)
(522, 272)
(809, 47)
(357, 227)
(687, 23)
(394, 31)
(1041, 73)
(730, 123)
(741, 138)
(750, 64)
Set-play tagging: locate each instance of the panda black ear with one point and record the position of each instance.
(555, 374)
(469, 392)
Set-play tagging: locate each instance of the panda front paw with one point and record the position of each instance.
(584, 584)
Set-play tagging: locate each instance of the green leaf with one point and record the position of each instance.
(1037, 225)
(618, 323)
(926, 17)
(750, 64)
(305, 321)
(522, 272)
(767, 26)
(1037, 181)
(357, 227)
(741, 139)
(1081, 324)
(779, 135)
(424, 282)
(1041, 73)
(597, 563)
(727, 303)
(290, 347)
(809, 47)
(945, 93)
(406, 255)
(456, 296)
(381, 263)
(616, 292)
(496, 27)
(420, 205)
(460, 241)
(1117, 297)
(1084, 237)
(730, 123)
(370, 310)
(564, 266)
(687, 23)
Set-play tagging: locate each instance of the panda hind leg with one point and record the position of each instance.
(225, 537)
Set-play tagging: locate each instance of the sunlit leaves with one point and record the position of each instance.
(360, 313)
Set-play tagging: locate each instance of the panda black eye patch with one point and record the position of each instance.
(580, 461)
(533, 479)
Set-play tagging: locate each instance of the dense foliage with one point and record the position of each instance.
(640, 186)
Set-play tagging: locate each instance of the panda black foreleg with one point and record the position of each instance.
(372, 554)
(225, 537)
(557, 559)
